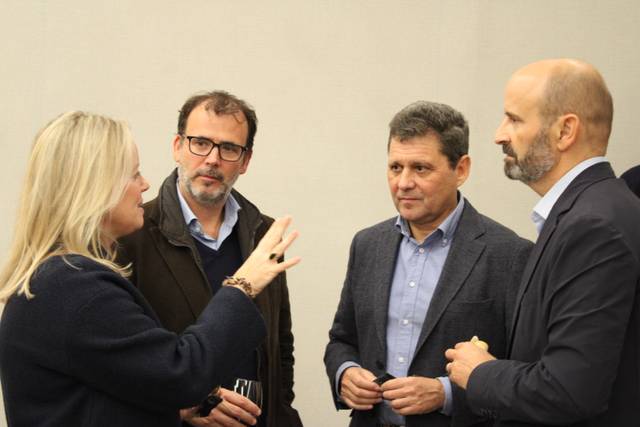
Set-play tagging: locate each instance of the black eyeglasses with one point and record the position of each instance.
(228, 151)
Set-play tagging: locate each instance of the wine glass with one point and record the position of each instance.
(250, 389)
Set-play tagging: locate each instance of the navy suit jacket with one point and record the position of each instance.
(575, 344)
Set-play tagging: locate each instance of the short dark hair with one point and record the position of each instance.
(221, 103)
(422, 118)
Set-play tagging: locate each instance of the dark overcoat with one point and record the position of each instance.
(168, 271)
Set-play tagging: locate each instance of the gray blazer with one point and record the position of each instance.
(475, 296)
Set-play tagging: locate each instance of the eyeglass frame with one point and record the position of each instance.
(215, 145)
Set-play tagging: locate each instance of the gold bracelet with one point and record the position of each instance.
(240, 282)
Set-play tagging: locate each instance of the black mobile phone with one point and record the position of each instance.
(383, 378)
(208, 404)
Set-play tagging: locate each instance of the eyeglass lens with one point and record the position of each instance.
(226, 150)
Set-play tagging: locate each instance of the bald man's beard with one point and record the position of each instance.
(537, 161)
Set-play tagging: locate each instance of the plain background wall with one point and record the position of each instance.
(325, 78)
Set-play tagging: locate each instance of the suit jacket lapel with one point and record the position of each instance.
(178, 248)
(464, 253)
(249, 221)
(588, 177)
(179, 258)
(386, 254)
(547, 231)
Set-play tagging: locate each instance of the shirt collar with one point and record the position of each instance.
(447, 227)
(542, 209)
(231, 209)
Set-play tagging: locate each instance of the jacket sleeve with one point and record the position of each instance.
(343, 336)
(114, 345)
(590, 280)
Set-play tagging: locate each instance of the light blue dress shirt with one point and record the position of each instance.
(417, 271)
(231, 208)
(542, 209)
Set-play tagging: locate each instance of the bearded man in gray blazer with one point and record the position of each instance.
(437, 273)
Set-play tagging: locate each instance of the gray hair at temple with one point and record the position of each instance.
(422, 118)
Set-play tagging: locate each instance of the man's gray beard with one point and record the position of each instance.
(204, 197)
(537, 161)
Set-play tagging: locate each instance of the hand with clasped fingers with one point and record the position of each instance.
(235, 410)
(358, 390)
(414, 395)
(465, 357)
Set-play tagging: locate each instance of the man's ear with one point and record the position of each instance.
(463, 168)
(245, 161)
(565, 131)
(177, 145)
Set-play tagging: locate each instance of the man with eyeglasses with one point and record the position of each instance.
(200, 230)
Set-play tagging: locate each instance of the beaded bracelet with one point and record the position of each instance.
(240, 282)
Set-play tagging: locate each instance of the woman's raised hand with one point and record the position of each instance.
(266, 261)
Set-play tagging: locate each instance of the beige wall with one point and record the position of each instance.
(325, 78)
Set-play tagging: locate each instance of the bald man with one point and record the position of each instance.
(574, 349)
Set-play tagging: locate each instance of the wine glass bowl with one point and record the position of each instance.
(250, 389)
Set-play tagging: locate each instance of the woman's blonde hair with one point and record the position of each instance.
(79, 167)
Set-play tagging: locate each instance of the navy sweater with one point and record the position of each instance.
(89, 351)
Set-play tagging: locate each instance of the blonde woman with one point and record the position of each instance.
(79, 345)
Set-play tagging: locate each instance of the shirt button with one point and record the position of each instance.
(421, 250)
(401, 359)
(405, 321)
(412, 284)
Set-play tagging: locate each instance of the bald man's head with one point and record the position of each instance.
(575, 87)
